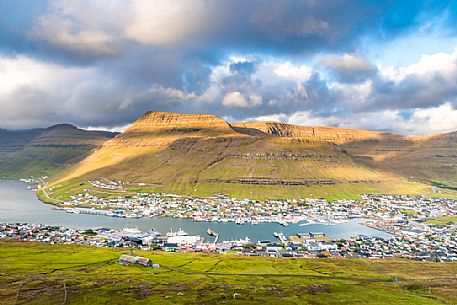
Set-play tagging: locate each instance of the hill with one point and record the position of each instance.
(202, 155)
(431, 159)
(46, 151)
(49, 274)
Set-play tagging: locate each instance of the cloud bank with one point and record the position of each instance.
(104, 63)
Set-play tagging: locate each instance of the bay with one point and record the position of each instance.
(20, 205)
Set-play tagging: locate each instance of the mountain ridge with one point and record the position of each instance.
(203, 154)
(46, 151)
(188, 153)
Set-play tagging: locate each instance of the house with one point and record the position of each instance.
(128, 260)
(144, 261)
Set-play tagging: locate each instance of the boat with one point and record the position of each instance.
(239, 221)
(131, 230)
(283, 223)
(154, 232)
(304, 224)
(276, 234)
(180, 232)
(211, 232)
(282, 237)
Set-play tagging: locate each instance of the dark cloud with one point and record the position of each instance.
(134, 56)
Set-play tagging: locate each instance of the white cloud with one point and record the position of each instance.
(419, 122)
(110, 129)
(236, 99)
(429, 64)
(165, 22)
(347, 62)
(287, 70)
(22, 71)
(89, 27)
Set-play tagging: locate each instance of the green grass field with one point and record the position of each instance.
(442, 220)
(33, 273)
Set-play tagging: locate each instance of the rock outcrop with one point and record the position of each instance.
(329, 134)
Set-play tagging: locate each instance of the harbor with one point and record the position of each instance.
(377, 226)
(18, 204)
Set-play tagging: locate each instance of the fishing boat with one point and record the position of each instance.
(131, 231)
(180, 232)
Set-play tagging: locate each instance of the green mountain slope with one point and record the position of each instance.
(39, 152)
(203, 155)
(426, 158)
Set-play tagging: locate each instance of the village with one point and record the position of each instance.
(409, 219)
(418, 227)
(384, 211)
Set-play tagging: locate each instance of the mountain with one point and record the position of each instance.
(327, 134)
(201, 154)
(424, 158)
(46, 151)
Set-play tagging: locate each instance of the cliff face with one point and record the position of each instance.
(328, 134)
(168, 122)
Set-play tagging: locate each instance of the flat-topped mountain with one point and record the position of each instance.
(168, 122)
(161, 128)
(203, 154)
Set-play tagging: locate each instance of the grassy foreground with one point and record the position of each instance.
(33, 273)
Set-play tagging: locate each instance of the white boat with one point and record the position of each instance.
(180, 232)
(239, 221)
(155, 233)
(131, 231)
(211, 232)
(284, 223)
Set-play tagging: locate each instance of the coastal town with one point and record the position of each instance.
(425, 242)
(419, 228)
(222, 208)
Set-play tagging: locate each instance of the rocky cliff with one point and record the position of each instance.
(329, 134)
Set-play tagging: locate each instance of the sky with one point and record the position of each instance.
(100, 64)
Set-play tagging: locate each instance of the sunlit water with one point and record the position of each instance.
(18, 204)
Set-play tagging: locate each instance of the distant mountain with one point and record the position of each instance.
(425, 158)
(46, 151)
(11, 140)
(202, 154)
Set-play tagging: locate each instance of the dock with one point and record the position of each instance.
(213, 233)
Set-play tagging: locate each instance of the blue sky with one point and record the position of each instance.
(380, 65)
